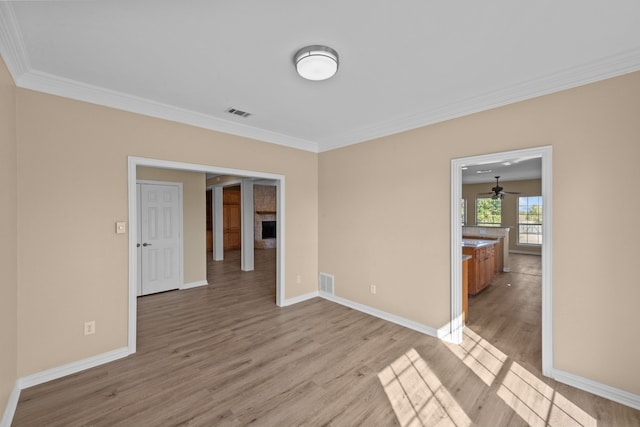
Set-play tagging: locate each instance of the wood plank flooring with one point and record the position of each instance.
(225, 354)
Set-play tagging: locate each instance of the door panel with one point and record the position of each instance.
(160, 237)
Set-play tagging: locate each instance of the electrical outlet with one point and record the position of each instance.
(90, 327)
(373, 289)
(298, 279)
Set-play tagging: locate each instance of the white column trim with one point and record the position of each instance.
(246, 227)
(218, 224)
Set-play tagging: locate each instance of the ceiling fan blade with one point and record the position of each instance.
(511, 192)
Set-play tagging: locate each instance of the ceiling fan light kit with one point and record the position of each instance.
(497, 191)
(316, 62)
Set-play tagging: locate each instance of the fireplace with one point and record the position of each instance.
(268, 230)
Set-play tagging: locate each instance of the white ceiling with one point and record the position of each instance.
(402, 64)
(510, 169)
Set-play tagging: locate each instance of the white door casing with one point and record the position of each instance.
(132, 165)
(455, 324)
(160, 232)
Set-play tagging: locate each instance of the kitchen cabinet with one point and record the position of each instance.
(482, 266)
(498, 249)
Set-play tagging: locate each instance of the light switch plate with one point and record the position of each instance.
(121, 227)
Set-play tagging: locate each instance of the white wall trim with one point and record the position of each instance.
(194, 285)
(600, 69)
(55, 373)
(71, 368)
(407, 323)
(280, 239)
(517, 251)
(16, 58)
(133, 163)
(455, 323)
(247, 237)
(55, 85)
(456, 242)
(10, 409)
(617, 395)
(300, 298)
(11, 44)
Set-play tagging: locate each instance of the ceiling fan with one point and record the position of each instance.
(497, 191)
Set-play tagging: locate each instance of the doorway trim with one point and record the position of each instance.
(456, 324)
(133, 163)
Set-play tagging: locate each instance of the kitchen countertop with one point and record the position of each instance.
(477, 243)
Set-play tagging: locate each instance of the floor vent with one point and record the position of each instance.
(237, 112)
(326, 283)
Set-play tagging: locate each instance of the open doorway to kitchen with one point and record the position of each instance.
(457, 210)
(247, 177)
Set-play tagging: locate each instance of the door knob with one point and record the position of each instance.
(146, 244)
(137, 245)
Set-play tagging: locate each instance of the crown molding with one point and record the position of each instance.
(11, 45)
(54, 85)
(15, 56)
(611, 66)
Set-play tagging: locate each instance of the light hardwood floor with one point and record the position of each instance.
(225, 354)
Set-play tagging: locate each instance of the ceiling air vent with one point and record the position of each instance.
(237, 112)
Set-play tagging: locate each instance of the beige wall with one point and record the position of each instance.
(531, 187)
(381, 207)
(194, 217)
(385, 218)
(72, 266)
(8, 238)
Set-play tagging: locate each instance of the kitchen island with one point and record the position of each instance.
(482, 265)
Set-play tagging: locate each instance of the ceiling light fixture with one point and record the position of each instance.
(316, 62)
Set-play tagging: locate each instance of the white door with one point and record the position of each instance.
(159, 226)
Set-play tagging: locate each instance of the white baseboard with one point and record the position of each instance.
(624, 397)
(71, 368)
(300, 298)
(194, 285)
(384, 315)
(517, 251)
(10, 409)
(55, 373)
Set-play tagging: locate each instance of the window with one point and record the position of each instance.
(530, 220)
(488, 212)
(463, 211)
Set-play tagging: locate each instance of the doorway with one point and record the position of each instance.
(456, 325)
(133, 163)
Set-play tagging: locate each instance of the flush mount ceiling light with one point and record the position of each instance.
(316, 62)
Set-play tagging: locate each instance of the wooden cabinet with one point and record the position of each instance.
(482, 266)
(498, 248)
(231, 218)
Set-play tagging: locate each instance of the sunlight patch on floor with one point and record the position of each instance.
(539, 404)
(479, 355)
(417, 395)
